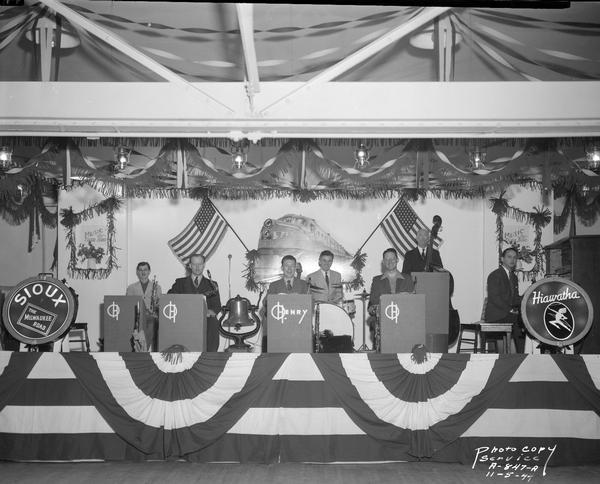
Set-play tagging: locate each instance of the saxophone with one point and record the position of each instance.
(154, 298)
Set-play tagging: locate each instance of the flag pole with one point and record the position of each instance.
(232, 229)
(386, 216)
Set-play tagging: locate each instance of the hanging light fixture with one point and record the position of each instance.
(238, 155)
(477, 155)
(5, 158)
(592, 156)
(121, 158)
(361, 156)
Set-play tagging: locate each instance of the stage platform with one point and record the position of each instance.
(487, 411)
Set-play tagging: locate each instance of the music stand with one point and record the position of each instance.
(363, 347)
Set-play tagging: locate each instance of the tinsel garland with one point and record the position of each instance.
(70, 219)
(249, 272)
(539, 218)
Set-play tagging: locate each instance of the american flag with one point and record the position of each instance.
(202, 234)
(401, 227)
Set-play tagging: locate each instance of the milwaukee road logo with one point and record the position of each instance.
(538, 297)
(37, 319)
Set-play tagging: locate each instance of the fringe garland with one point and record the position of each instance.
(71, 219)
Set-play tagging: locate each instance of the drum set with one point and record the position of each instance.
(334, 326)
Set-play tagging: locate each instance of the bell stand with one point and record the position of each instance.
(364, 296)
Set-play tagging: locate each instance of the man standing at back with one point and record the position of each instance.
(325, 284)
(414, 260)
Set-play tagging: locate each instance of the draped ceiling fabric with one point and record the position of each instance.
(294, 42)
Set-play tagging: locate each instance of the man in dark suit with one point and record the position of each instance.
(196, 283)
(503, 300)
(414, 260)
(390, 282)
(288, 284)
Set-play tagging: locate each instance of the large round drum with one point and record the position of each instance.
(336, 330)
(556, 311)
(39, 310)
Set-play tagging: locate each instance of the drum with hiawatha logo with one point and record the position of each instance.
(556, 311)
(39, 310)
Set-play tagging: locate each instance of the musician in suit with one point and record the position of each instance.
(392, 281)
(414, 260)
(325, 284)
(503, 300)
(150, 292)
(288, 284)
(196, 283)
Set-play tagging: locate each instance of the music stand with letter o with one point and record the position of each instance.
(118, 320)
(289, 323)
(402, 322)
(182, 321)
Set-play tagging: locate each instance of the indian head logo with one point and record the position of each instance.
(557, 311)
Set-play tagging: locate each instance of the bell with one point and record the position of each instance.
(241, 323)
(238, 313)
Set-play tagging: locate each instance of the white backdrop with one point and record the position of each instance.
(144, 226)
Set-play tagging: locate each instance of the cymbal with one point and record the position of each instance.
(364, 295)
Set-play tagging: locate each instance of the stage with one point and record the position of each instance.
(526, 411)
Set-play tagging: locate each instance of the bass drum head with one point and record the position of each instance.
(336, 331)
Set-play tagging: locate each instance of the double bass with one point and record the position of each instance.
(453, 317)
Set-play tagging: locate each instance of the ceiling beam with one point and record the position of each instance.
(122, 46)
(378, 109)
(423, 17)
(245, 21)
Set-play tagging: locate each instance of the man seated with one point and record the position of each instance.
(503, 300)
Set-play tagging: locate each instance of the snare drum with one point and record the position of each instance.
(336, 330)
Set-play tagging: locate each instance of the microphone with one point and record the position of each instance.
(229, 256)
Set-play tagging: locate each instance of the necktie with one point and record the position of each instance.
(327, 279)
(196, 281)
(423, 253)
(289, 285)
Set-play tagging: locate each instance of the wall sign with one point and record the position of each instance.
(557, 311)
(39, 310)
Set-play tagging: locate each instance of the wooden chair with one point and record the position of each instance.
(78, 333)
(474, 341)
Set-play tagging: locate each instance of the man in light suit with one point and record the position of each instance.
(150, 294)
(326, 285)
(503, 300)
(288, 284)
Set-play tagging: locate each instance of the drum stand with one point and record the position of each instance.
(364, 296)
